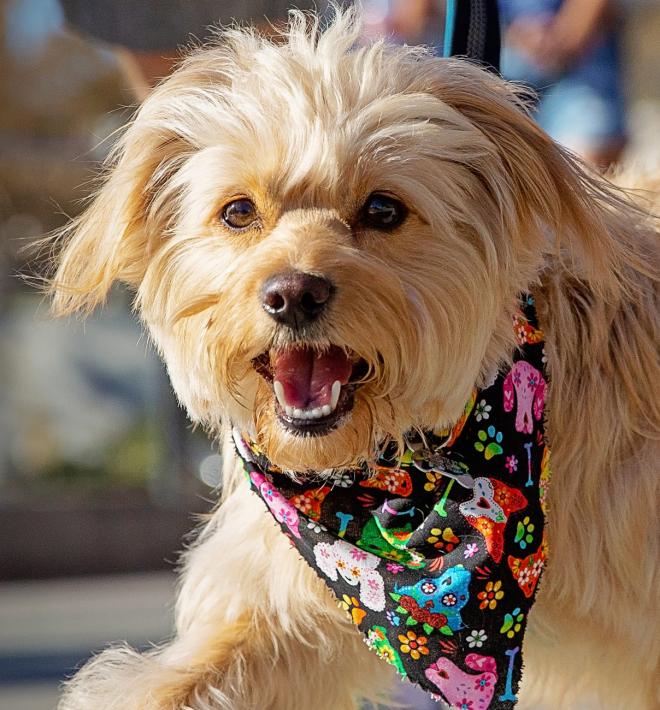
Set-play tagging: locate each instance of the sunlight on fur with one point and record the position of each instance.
(306, 129)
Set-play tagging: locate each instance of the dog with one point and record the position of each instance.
(402, 203)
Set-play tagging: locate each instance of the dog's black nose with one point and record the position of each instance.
(294, 298)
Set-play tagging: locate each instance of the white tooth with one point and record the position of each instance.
(316, 413)
(334, 398)
(279, 393)
(298, 413)
(289, 411)
(326, 409)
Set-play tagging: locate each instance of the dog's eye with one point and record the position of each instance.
(382, 212)
(239, 213)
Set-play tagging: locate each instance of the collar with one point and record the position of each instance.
(436, 554)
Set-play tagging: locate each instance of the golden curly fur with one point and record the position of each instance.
(307, 126)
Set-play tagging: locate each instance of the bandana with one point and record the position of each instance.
(436, 554)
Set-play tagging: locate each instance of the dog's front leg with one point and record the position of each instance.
(256, 629)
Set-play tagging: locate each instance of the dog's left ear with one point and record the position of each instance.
(547, 198)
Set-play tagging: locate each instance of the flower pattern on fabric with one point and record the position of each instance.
(476, 639)
(490, 595)
(437, 552)
(482, 410)
(283, 511)
(414, 645)
(392, 480)
(316, 527)
(527, 571)
(309, 502)
(471, 550)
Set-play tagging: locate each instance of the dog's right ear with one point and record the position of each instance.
(128, 217)
(114, 236)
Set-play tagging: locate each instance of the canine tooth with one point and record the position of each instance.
(289, 411)
(279, 393)
(325, 410)
(336, 389)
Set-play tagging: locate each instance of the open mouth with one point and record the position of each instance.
(313, 388)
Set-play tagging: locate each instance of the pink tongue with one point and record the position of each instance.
(307, 375)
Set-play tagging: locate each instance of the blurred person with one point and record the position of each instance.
(147, 33)
(417, 21)
(450, 27)
(568, 51)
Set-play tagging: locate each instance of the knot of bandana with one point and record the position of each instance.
(436, 555)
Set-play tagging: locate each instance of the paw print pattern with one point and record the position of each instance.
(524, 531)
(489, 448)
(512, 623)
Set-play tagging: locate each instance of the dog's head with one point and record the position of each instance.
(326, 241)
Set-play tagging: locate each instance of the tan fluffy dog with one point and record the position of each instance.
(422, 192)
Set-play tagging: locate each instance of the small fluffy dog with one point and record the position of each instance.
(410, 200)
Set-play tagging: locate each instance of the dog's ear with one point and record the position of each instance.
(546, 196)
(129, 215)
(112, 238)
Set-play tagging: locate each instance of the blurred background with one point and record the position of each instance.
(100, 475)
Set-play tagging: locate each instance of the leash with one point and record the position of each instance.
(472, 30)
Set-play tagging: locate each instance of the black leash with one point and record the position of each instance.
(472, 30)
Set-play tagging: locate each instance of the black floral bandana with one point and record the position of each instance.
(436, 555)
